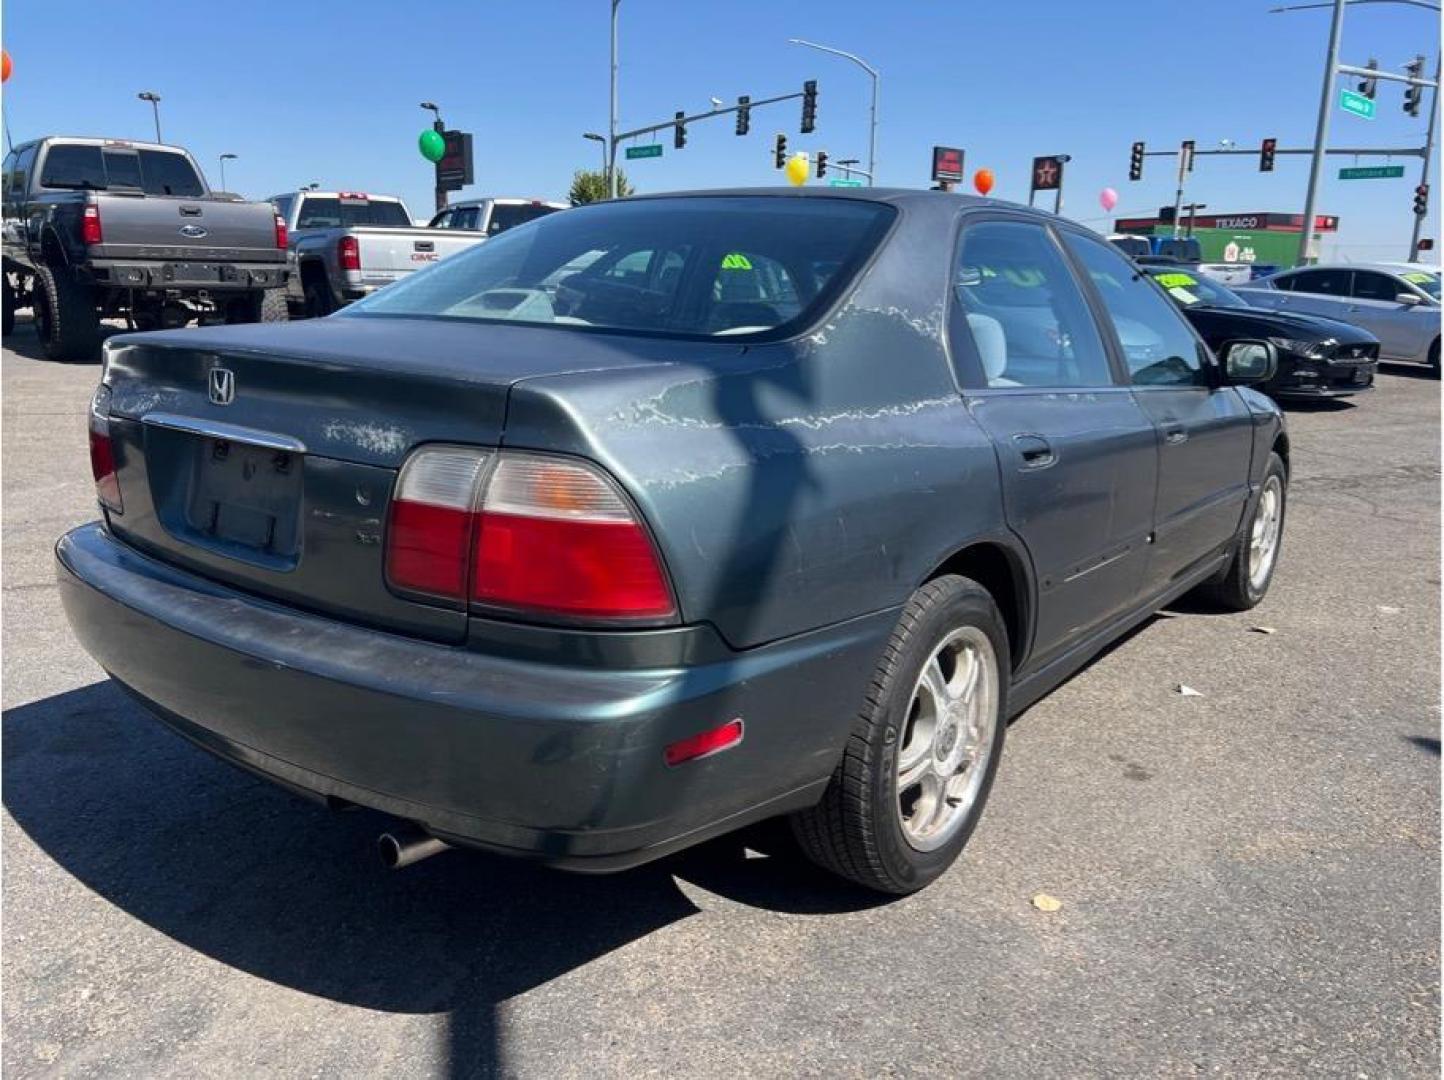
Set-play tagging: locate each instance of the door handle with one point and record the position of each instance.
(1174, 432)
(1036, 451)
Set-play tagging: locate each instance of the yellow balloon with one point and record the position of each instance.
(797, 170)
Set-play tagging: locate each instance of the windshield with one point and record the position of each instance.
(681, 267)
(1194, 290)
(330, 212)
(156, 172)
(1423, 279)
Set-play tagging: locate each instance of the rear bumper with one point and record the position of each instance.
(186, 276)
(557, 762)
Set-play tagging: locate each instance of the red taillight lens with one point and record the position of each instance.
(530, 534)
(348, 253)
(102, 451)
(282, 239)
(90, 231)
(557, 537)
(429, 540)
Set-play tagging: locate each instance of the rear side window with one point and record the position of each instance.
(73, 167)
(1025, 315)
(1324, 282)
(1157, 343)
(674, 267)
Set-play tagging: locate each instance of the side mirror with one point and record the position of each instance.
(1408, 299)
(1247, 362)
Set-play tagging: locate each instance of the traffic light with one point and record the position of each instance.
(679, 134)
(779, 152)
(1186, 152)
(809, 106)
(1426, 244)
(821, 164)
(1135, 162)
(1368, 85)
(1413, 93)
(1266, 155)
(1167, 215)
(744, 114)
(1421, 200)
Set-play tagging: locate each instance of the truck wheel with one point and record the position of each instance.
(9, 311)
(318, 299)
(65, 316)
(923, 751)
(267, 305)
(1243, 582)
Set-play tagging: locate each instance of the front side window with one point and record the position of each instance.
(654, 266)
(1371, 285)
(282, 203)
(18, 180)
(1026, 318)
(1157, 343)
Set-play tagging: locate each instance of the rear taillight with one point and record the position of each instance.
(282, 239)
(90, 231)
(102, 451)
(348, 253)
(526, 533)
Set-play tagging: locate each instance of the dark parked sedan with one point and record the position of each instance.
(1317, 357)
(647, 520)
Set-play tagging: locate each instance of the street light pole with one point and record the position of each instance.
(611, 167)
(872, 109)
(154, 99)
(224, 159)
(1428, 156)
(599, 139)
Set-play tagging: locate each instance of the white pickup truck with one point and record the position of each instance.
(347, 244)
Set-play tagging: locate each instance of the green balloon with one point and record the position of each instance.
(433, 146)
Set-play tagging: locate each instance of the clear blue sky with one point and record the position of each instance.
(328, 92)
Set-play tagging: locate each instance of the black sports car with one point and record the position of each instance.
(1318, 358)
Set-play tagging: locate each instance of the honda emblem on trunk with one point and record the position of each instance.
(223, 386)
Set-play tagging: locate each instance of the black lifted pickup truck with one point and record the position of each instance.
(104, 228)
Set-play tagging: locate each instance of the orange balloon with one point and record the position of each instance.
(983, 181)
(4, 65)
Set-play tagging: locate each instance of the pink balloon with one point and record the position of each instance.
(1108, 198)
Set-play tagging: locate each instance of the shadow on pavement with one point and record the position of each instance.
(285, 890)
(1425, 743)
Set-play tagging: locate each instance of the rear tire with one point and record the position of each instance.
(318, 296)
(894, 825)
(66, 319)
(265, 306)
(1250, 570)
(9, 312)
(1434, 358)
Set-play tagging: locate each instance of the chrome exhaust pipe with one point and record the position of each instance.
(408, 844)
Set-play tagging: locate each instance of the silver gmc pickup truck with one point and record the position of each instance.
(347, 244)
(110, 228)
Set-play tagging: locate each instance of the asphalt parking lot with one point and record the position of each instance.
(1249, 878)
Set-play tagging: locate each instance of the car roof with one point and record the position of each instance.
(1385, 267)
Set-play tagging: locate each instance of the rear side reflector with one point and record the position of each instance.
(556, 536)
(708, 742)
(102, 451)
(428, 543)
(525, 533)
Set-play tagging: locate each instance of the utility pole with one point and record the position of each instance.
(440, 128)
(1428, 156)
(1185, 166)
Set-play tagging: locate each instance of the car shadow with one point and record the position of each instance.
(1321, 405)
(1427, 743)
(1421, 372)
(285, 890)
(23, 341)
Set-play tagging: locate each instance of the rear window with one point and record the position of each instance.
(326, 212)
(508, 217)
(156, 172)
(684, 267)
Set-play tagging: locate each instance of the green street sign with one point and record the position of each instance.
(1357, 104)
(650, 150)
(844, 181)
(1372, 172)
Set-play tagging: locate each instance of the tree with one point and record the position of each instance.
(590, 185)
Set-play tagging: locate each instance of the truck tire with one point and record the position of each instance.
(266, 305)
(1245, 579)
(924, 748)
(318, 296)
(66, 320)
(9, 311)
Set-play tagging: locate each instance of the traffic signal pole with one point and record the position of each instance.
(1424, 170)
(1321, 133)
